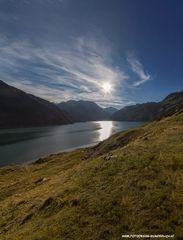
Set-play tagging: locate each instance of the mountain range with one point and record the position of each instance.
(82, 111)
(20, 109)
(151, 111)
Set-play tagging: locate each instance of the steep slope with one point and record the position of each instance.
(138, 112)
(130, 184)
(173, 103)
(82, 111)
(19, 109)
(110, 110)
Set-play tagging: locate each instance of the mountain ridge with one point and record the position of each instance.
(152, 110)
(110, 110)
(21, 109)
(82, 111)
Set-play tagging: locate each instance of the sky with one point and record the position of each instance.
(69, 49)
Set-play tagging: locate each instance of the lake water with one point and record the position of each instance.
(25, 145)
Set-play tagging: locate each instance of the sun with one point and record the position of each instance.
(107, 87)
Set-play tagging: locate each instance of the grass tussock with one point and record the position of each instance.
(131, 183)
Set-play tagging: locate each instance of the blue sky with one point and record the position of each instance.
(67, 49)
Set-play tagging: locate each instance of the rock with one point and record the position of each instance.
(108, 156)
(46, 203)
(40, 160)
(26, 218)
(41, 180)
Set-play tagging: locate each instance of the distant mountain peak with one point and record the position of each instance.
(82, 111)
(110, 110)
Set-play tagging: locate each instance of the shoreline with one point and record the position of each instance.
(54, 140)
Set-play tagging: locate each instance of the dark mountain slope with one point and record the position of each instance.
(19, 109)
(138, 112)
(173, 103)
(82, 111)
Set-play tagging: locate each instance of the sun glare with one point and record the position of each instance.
(107, 87)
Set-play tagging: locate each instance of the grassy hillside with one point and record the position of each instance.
(131, 183)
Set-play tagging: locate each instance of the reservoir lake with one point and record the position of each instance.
(25, 145)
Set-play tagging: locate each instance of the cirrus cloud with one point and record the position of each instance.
(69, 71)
(138, 69)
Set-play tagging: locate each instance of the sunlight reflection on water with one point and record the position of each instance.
(106, 130)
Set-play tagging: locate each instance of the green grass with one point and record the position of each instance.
(130, 183)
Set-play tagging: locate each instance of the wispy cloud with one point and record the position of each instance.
(62, 72)
(138, 69)
(75, 71)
